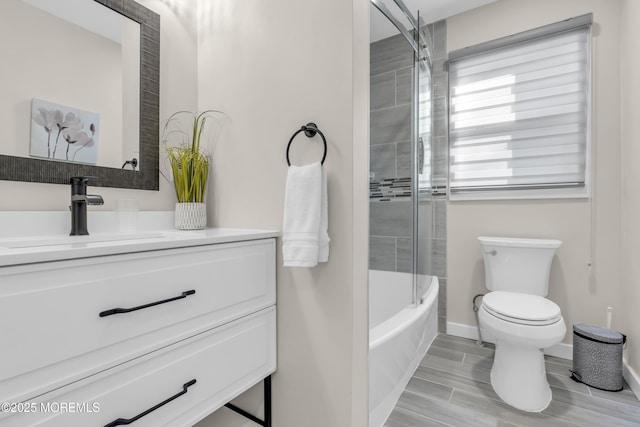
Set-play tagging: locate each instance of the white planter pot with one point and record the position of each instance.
(191, 216)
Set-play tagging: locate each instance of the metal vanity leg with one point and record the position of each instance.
(267, 401)
(267, 406)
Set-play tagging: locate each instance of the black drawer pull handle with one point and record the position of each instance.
(140, 307)
(127, 421)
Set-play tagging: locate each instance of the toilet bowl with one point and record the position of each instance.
(518, 374)
(519, 319)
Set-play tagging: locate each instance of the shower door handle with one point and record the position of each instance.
(420, 156)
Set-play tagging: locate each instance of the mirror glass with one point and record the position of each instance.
(77, 54)
(72, 101)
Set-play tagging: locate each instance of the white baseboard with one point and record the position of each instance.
(563, 351)
(462, 330)
(632, 378)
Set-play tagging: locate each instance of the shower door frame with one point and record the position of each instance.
(422, 57)
(418, 39)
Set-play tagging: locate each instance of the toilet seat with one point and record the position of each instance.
(523, 309)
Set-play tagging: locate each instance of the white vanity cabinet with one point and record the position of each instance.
(90, 340)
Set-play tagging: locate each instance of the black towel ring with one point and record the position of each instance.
(310, 130)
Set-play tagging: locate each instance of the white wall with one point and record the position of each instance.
(630, 318)
(178, 89)
(272, 67)
(589, 229)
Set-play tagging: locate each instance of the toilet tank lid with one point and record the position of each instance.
(520, 242)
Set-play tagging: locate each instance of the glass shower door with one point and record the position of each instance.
(401, 218)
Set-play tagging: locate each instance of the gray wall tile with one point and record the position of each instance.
(441, 162)
(430, 31)
(440, 153)
(442, 298)
(404, 254)
(390, 218)
(440, 222)
(442, 325)
(403, 157)
(439, 247)
(382, 161)
(404, 83)
(440, 82)
(382, 253)
(439, 40)
(391, 125)
(390, 54)
(383, 90)
(425, 233)
(439, 117)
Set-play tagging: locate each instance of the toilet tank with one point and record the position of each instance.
(518, 265)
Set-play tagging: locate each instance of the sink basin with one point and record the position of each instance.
(52, 241)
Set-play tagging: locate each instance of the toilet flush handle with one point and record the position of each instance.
(492, 253)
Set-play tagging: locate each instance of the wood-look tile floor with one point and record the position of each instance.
(452, 388)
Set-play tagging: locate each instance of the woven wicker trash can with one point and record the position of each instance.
(597, 357)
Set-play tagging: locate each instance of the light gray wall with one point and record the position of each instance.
(272, 67)
(590, 229)
(630, 316)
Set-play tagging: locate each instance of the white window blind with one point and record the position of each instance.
(519, 114)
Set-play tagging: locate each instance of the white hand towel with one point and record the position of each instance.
(323, 237)
(303, 212)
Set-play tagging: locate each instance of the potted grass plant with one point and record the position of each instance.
(190, 164)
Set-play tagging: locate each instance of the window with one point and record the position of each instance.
(519, 115)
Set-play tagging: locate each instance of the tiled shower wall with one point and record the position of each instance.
(390, 234)
(390, 165)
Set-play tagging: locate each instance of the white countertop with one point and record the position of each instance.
(19, 248)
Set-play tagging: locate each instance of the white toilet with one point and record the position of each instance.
(519, 319)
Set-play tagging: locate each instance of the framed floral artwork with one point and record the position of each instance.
(63, 133)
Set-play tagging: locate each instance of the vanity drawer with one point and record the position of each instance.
(50, 314)
(224, 362)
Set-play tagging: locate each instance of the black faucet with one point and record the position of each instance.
(79, 201)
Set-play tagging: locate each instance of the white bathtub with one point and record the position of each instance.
(399, 336)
